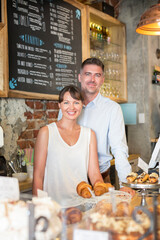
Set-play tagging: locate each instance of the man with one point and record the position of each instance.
(105, 118)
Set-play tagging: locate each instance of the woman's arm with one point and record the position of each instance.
(40, 156)
(93, 169)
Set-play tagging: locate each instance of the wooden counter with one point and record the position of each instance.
(133, 160)
(131, 157)
(26, 185)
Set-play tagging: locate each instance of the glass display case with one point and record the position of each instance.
(106, 41)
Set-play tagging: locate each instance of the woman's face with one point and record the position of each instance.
(70, 107)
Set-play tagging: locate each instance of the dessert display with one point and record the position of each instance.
(142, 178)
(122, 209)
(99, 188)
(14, 219)
(117, 222)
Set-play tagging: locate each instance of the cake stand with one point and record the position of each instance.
(144, 187)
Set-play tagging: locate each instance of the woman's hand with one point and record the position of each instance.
(93, 168)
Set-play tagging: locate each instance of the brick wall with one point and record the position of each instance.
(42, 112)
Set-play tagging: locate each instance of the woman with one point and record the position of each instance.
(65, 152)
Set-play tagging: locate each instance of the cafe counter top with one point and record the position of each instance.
(130, 158)
(27, 185)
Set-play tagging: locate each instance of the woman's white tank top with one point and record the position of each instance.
(66, 166)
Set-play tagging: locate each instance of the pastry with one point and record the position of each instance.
(101, 188)
(82, 190)
(104, 207)
(122, 209)
(142, 177)
(119, 227)
(131, 177)
(153, 177)
(72, 215)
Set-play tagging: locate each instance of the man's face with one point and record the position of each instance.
(91, 78)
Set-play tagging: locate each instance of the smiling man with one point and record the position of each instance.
(105, 118)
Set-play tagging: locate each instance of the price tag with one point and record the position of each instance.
(9, 188)
(155, 155)
(143, 165)
(80, 234)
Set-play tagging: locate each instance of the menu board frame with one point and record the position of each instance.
(3, 51)
(36, 95)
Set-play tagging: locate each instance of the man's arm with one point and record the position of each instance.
(118, 143)
(93, 168)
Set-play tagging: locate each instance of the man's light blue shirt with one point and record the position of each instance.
(105, 118)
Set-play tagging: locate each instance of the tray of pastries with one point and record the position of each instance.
(142, 180)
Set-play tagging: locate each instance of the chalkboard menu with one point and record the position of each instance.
(45, 45)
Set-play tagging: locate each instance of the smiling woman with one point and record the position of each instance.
(70, 102)
(66, 153)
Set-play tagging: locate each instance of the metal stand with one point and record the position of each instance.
(143, 200)
(144, 189)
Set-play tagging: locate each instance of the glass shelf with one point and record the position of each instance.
(111, 61)
(100, 42)
(111, 51)
(115, 80)
(156, 82)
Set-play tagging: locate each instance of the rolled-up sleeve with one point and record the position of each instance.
(117, 139)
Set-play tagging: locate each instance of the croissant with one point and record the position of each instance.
(131, 177)
(142, 177)
(153, 177)
(72, 215)
(82, 190)
(101, 188)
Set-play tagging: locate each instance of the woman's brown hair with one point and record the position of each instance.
(74, 91)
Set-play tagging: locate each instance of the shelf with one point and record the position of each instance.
(112, 54)
(114, 80)
(111, 61)
(154, 140)
(156, 83)
(101, 42)
(118, 100)
(1, 25)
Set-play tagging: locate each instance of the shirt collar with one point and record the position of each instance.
(94, 102)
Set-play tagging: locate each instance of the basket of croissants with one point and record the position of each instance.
(84, 189)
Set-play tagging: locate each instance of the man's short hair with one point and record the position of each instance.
(93, 61)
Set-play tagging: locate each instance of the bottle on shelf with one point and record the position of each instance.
(99, 32)
(104, 33)
(108, 36)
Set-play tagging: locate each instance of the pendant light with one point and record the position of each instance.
(150, 21)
